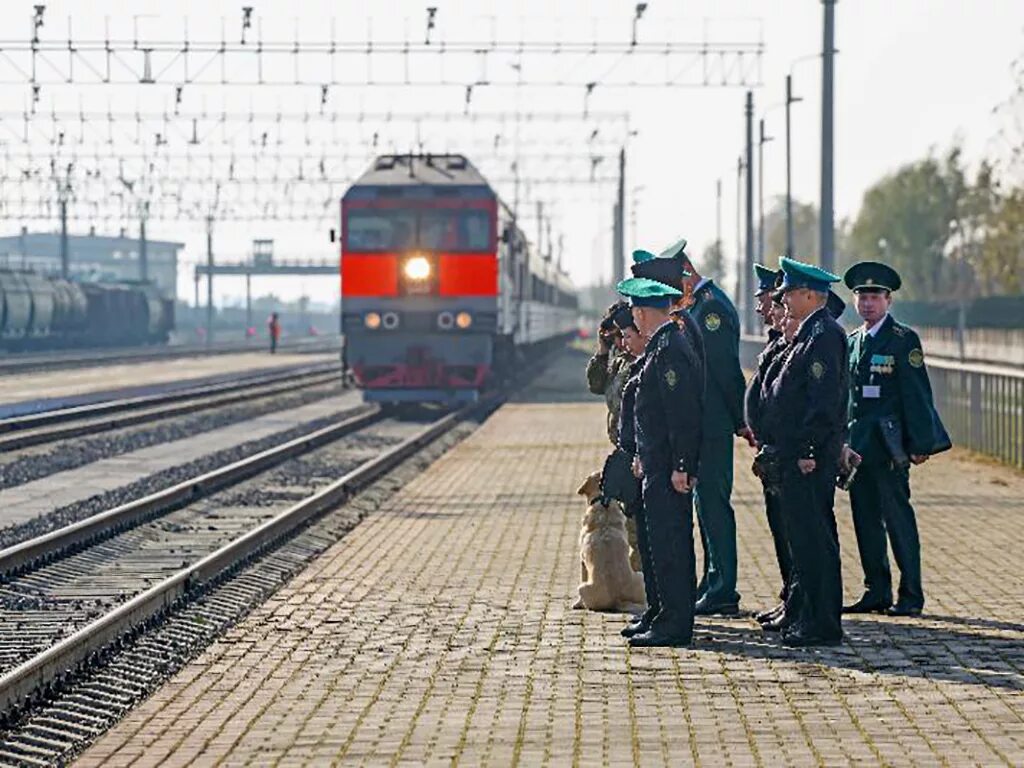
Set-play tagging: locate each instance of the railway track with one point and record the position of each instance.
(61, 424)
(69, 597)
(27, 362)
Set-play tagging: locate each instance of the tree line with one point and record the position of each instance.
(949, 232)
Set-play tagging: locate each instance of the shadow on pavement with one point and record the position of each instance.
(883, 647)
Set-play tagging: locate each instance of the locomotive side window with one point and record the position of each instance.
(376, 230)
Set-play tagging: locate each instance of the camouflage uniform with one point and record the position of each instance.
(607, 373)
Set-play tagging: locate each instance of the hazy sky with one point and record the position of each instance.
(910, 75)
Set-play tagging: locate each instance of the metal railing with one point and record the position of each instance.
(981, 405)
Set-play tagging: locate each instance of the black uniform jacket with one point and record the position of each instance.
(720, 327)
(890, 396)
(753, 397)
(669, 403)
(807, 405)
(627, 424)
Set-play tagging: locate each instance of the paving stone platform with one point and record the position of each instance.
(440, 632)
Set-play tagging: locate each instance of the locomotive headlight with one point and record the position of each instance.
(417, 268)
(371, 320)
(463, 320)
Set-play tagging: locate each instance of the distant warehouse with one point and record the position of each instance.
(94, 258)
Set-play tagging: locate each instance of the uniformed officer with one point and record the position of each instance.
(635, 344)
(670, 271)
(715, 315)
(805, 414)
(893, 424)
(753, 398)
(608, 368)
(667, 420)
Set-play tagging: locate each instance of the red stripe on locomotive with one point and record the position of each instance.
(468, 274)
(369, 274)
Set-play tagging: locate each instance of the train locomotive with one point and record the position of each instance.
(441, 294)
(43, 313)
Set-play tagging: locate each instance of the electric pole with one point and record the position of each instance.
(827, 221)
(748, 272)
(209, 279)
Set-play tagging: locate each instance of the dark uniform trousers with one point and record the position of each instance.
(643, 545)
(880, 498)
(815, 599)
(717, 519)
(777, 527)
(669, 533)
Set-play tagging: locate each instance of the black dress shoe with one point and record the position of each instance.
(778, 624)
(704, 607)
(803, 639)
(654, 638)
(635, 628)
(868, 604)
(770, 615)
(902, 609)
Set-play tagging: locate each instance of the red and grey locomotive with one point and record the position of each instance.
(439, 287)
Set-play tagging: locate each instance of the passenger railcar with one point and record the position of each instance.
(440, 290)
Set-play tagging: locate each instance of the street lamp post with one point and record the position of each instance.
(762, 140)
(790, 100)
(739, 229)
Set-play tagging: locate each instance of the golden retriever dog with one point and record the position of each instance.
(609, 582)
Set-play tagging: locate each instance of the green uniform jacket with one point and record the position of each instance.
(607, 375)
(890, 391)
(720, 326)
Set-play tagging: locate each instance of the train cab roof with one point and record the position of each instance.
(411, 174)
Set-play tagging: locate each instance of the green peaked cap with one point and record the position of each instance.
(765, 279)
(640, 256)
(797, 274)
(872, 276)
(644, 292)
(676, 250)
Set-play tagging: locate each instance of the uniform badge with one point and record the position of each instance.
(916, 358)
(671, 378)
(712, 322)
(817, 369)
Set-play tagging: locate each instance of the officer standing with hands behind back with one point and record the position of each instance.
(667, 419)
(806, 413)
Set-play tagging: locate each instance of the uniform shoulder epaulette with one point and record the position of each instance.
(663, 340)
(818, 329)
(899, 330)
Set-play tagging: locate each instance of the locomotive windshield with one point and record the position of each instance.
(435, 230)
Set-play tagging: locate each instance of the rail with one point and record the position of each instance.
(982, 405)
